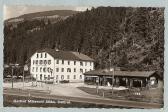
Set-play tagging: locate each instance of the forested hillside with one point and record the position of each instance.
(132, 38)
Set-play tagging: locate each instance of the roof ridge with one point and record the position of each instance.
(66, 55)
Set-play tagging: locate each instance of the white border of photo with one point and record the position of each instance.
(84, 3)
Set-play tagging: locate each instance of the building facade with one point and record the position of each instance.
(56, 66)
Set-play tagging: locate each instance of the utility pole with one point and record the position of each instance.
(25, 68)
(12, 76)
(13, 66)
(97, 85)
(32, 79)
(112, 77)
(113, 81)
(23, 78)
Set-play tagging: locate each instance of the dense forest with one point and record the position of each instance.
(132, 38)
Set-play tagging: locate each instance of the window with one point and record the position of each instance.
(41, 55)
(57, 69)
(40, 76)
(80, 77)
(45, 77)
(68, 70)
(33, 69)
(48, 76)
(62, 61)
(56, 76)
(62, 77)
(40, 69)
(85, 70)
(68, 62)
(41, 62)
(85, 63)
(45, 55)
(36, 62)
(48, 69)
(74, 76)
(62, 69)
(81, 70)
(81, 63)
(74, 62)
(68, 77)
(45, 62)
(74, 69)
(49, 62)
(44, 69)
(57, 61)
(36, 69)
(90, 63)
(37, 55)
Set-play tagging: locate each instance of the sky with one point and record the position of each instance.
(11, 11)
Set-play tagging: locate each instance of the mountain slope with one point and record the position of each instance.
(47, 15)
(132, 38)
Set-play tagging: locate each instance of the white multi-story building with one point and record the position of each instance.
(55, 65)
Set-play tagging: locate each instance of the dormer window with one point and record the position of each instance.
(90, 63)
(57, 61)
(45, 55)
(68, 62)
(81, 63)
(41, 55)
(37, 55)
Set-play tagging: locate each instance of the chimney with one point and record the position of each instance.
(78, 50)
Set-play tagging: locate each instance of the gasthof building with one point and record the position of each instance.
(53, 65)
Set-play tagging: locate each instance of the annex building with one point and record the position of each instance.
(53, 65)
(129, 79)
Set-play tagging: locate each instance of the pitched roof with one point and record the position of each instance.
(121, 73)
(66, 55)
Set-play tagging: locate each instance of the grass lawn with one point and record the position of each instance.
(150, 95)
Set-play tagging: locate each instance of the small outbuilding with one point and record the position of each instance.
(128, 79)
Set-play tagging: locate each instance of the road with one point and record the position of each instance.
(98, 100)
